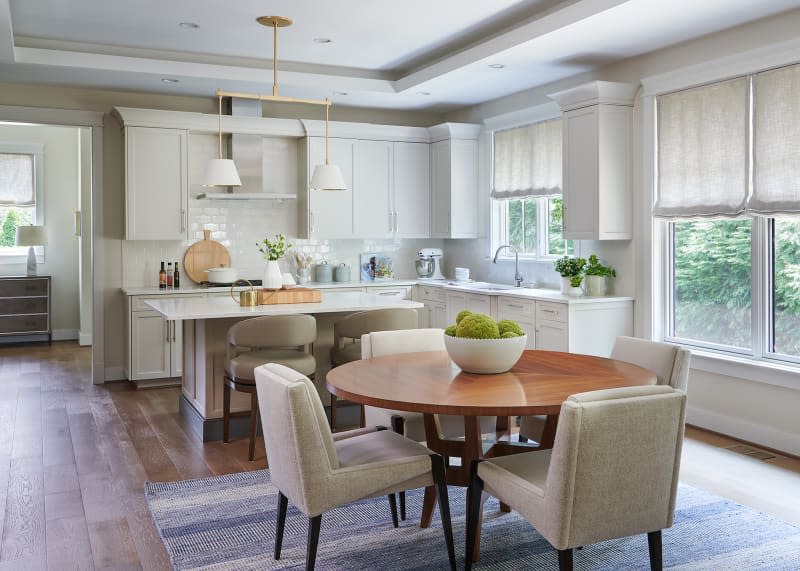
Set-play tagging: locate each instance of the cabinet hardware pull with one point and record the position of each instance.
(183, 221)
(396, 224)
(549, 311)
(173, 332)
(391, 223)
(515, 306)
(311, 222)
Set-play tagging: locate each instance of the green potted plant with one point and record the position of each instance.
(571, 270)
(596, 276)
(272, 252)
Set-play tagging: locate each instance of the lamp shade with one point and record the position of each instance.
(221, 172)
(327, 177)
(31, 236)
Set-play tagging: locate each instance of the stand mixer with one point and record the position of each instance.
(429, 264)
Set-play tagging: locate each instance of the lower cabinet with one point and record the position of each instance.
(155, 349)
(521, 311)
(459, 301)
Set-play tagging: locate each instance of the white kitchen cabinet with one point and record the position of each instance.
(156, 183)
(434, 314)
(587, 327)
(326, 214)
(155, 348)
(399, 292)
(523, 311)
(597, 160)
(458, 301)
(373, 208)
(412, 190)
(454, 181)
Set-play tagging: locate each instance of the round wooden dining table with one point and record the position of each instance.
(430, 383)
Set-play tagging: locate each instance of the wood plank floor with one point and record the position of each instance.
(74, 458)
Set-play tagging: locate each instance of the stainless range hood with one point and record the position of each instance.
(247, 151)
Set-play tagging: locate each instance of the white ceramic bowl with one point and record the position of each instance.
(485, 356)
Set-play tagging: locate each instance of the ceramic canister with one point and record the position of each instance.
(323, 272)
(341, 273)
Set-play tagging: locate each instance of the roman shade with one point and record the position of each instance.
(776, 142)
(16, 179)
(527, 161)
(702, 151)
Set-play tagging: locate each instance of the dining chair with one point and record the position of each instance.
(612, 473)
(317, 470)
(284, 339)
(347, 333)
(669, 362)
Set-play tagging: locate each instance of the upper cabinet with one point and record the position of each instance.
(412, 190)
(156, 183)
(597, 158)
(454, 180)
(373, 207)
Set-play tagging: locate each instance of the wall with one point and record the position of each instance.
(60, 194)
(747, 408)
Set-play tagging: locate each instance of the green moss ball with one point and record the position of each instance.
(507, 325)
(462, 314)
(477, 326)
(509, 335)
(451, 330)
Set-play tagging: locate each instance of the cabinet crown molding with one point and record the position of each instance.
(454, 131)
(595, 92)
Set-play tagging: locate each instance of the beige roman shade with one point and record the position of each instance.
(702, 151)
(527, 161)
(16, 179)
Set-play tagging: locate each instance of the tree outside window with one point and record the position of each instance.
(17, 197)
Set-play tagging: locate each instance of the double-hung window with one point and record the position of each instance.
(526, 190)
(20, 171)
(729, 190)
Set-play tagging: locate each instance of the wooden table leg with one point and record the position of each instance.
(428, 506)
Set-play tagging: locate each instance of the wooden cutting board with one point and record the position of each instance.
(291, 295)
(203, 255)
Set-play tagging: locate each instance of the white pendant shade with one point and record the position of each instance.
(327, 177)
(221, 172)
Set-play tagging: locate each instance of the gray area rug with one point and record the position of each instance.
(228, 523)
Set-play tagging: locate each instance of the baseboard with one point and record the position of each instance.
(744, 430)
(158, 383)
(64, 334)
(114, 374)
(84, 339)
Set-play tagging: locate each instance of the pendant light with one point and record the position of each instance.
(221, 172)
(327, 176)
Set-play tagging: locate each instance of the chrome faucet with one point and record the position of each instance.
(517, 276)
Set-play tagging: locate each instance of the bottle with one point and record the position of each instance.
(162, 278)
(176, 280)
(169, 275)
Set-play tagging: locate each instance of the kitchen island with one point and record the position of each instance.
(205, 323)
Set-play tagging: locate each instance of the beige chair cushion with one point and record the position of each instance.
(613, 470)
(317, 472)
(242, 366)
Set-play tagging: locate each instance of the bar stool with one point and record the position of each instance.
(282, 339)
(347, 334)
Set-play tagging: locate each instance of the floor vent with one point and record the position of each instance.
(752, 452)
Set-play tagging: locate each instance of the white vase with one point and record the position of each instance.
(273, 278)
(595, 285)
(568, 289)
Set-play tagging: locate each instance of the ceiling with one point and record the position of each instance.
(434, 55)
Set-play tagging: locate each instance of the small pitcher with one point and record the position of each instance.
(247, 297)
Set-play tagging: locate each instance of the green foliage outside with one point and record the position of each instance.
(522, 225)
(8, 231)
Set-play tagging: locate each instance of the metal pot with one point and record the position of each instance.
(222, 275)
(424, 267)
(248, 297)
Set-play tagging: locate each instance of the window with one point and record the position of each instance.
(729, 187)
(19, 194)
(526, 190)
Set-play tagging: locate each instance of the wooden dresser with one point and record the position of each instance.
(25, 309)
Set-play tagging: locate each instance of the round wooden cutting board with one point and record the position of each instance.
(203, 255)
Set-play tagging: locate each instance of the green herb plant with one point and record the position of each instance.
(571, 268)
(273, 251)
(595, 268)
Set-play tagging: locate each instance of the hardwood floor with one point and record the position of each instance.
(74, 458)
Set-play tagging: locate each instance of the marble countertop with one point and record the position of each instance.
(192, 307)
(195, 289)
(542, 294)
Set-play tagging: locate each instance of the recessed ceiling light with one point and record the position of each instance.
(322, 40)
(423, 92)
(496, 65)
(169, 80)
(189, 25)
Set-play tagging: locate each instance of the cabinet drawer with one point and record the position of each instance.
(402, 292)
(546, 311)
(508, 308)
(23, 287)
(23, 324)
(23, 305)
(138, 302)
(428, 293)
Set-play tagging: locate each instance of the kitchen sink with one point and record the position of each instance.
(482, 286)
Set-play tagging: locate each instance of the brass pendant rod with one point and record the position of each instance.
(275, 58)
(275, 98)
(219, 124)
(327, 107)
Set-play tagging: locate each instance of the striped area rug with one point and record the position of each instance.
(228, 523)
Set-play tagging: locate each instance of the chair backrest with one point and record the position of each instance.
(298, 440)
(272, 331)
(614, 465)
(381, 343)
(669, 362)
(355, 325)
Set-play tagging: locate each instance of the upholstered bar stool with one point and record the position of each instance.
(347, 334)
(282, 339)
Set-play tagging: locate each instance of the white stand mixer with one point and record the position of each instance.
(429, 264)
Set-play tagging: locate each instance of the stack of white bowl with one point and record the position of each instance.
(462, 274)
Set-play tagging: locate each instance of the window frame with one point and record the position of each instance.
(14, 256)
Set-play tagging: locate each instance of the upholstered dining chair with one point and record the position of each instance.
(669, 362)
(347, 333)
(317, 470)
(612, 472)
(284, 339)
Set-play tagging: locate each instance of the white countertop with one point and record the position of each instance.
(191, 307)
(195, 289)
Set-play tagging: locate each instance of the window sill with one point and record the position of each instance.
(767, 372)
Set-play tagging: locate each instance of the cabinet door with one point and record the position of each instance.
(552, 336)
(580, 137)
(463, 188)
(150, 354)
(331, 212)
(372, 187)
(440, 189)
(479, 304)
(176, 349)
(156, 183)
(412, 190)
(439, 314)
(456, 302)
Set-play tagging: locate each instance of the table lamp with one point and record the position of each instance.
(31, 236)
